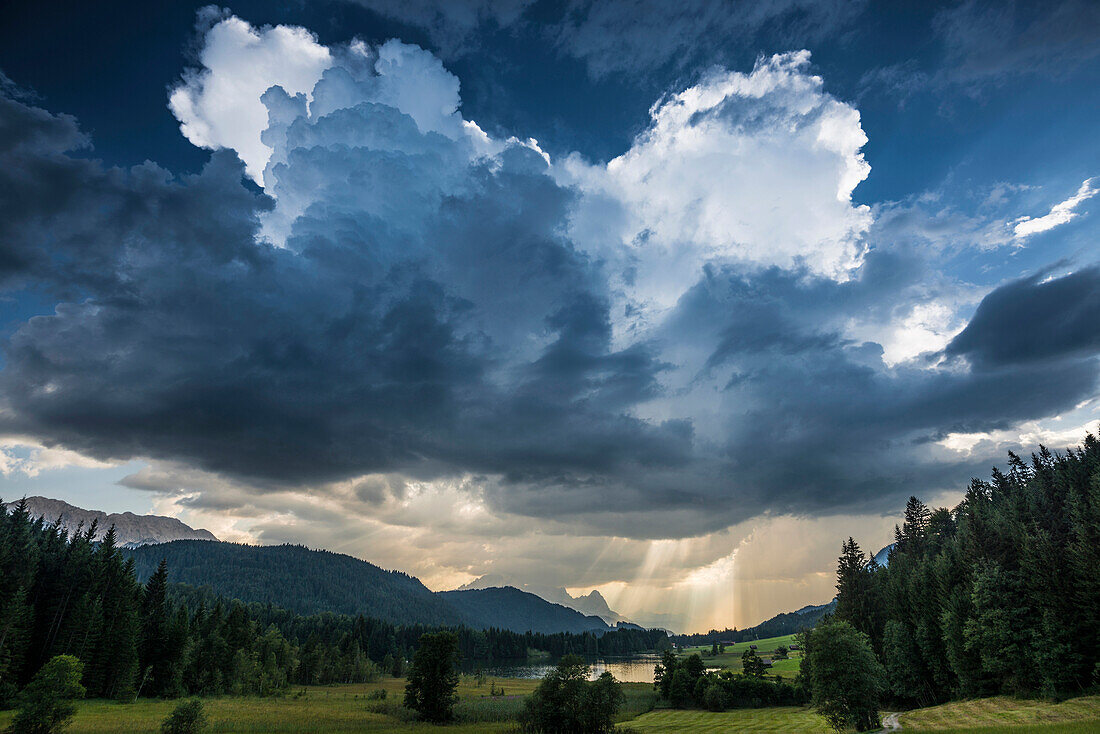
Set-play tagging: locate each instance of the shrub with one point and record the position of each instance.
(566, 703)
(46, 704)
(714, 698)
(187, 718)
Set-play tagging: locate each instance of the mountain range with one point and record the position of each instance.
(309, 581)
(130, 529)
(313, 581)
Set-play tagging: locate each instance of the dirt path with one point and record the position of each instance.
(890, 722)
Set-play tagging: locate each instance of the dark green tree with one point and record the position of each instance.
(603, 698)
(751, 664)
(433, 677)
(160, 649)
(557, 704)
(846, 680)
(46, 704)
(681, 689)
(663, 672)
(113, 657)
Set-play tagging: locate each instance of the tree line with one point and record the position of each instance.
(66, 594)
(999, 595)
(388, 645)
(686, 683)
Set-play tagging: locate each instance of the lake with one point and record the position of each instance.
(628, 668)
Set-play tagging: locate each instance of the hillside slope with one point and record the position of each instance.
(298, 579)
(310, 581)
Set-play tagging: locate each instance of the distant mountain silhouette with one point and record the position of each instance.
(130, 529)
(519, 611)
(882, 558)
(591, 604)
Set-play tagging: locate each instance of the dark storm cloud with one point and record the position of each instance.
(1034, 319)
(69, 222)
(417, 310)
(191, 341)
(814, 416)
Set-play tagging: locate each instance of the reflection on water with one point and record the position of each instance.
(629, 669)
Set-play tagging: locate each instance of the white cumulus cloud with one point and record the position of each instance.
(220, 107)
(755, 168)
(1058, 215)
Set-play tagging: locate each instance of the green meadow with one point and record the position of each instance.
(355, 708)
(333, 709)
(731, 658)
(776, 719)
(1001, 713)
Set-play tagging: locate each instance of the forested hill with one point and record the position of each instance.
(999, 595)
(786, 623)
(511, 609)
(308, 581)
(297, 579)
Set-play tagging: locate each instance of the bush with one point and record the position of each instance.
(46, 704)
(393, 708)
(187, 718)
(714, 698)
(566, 703)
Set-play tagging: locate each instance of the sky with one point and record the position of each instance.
(660, 299)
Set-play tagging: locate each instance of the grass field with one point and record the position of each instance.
(317, 709)
(335, 709)
(349, 708)
(1007, 714)
(783, 719)
(731, 659)
(987, 716)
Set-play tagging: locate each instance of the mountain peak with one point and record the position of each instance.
(130, 529)
(590, 604)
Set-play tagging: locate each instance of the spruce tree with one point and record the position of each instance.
(157, 658)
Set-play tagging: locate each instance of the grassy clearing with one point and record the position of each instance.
(995, 714)
(336, 709)
(731, 659)
(1071, 727)
(781, 719)
(640, 698)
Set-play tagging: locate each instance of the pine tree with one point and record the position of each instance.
(158, 659)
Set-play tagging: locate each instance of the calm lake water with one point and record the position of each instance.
(629, 669)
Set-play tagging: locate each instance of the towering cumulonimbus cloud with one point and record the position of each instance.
(219, 105)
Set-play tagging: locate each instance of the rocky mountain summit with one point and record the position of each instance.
(130, 529)
(592, 604)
